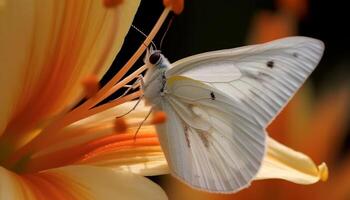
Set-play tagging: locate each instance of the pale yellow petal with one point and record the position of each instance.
(12, 54)
(144, 160)
(96, 126)
(76, 183)
(64, 42)
(2, 3)
(102, 183)
(141, 154)
(282, 162)
(95, 141)
(12, 188)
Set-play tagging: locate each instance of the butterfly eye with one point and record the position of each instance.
(154, 58)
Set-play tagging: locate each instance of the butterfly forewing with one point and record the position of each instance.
(263, 77)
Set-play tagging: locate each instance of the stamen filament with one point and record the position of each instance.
(124, 81)
(113, 103)
(82, 111)
(99, 96)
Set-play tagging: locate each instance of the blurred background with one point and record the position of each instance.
(315, 122)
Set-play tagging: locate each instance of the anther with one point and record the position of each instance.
(323, 171)
(176, 6)
(120, 125)
(91, 85)
(159, 117)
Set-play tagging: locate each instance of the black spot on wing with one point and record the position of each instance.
(270, 64)
(212, 96)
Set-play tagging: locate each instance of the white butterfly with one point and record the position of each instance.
(219, 103)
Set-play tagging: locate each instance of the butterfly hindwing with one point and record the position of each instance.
(263, 77)
(211, 141)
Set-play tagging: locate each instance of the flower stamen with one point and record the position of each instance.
(176, 6)
(92, 102)
(120, 126)
(89, 107)
(323, 171)
(91, 85)
(159, 117)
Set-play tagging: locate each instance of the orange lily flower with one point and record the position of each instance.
(53, 53)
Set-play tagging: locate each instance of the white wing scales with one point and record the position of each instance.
(211, 144)
(205, 71)
(214, 138)
(263, 77)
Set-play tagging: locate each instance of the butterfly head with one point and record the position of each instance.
(155, 58)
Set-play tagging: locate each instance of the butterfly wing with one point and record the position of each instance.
(263, 77)
(210, 140)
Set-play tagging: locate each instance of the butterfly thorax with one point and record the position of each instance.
(155, 80)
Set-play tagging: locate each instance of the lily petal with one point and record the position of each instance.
(94, 127)
(94, 141)
(282, 162)
(142, 156)
(11, 186)
(78, 182)
(12, 55)
(64, 42)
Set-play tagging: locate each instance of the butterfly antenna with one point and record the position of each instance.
(142, 33)
(166, 31)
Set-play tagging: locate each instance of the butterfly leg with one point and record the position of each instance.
(138, 83)
(143, 121)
